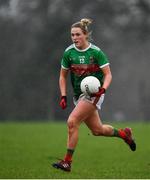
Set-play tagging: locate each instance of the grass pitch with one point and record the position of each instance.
(27, 150)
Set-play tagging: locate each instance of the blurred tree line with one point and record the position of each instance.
(33, 36)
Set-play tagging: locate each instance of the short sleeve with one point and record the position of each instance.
(65, 62)
(102, 59)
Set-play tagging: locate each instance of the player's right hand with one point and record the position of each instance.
(63, 102)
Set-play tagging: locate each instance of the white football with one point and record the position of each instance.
(90, 84)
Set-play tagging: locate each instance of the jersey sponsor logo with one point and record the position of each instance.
(84, 69)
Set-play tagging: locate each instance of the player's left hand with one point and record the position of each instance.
(99, 93)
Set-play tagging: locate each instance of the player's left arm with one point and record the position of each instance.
(107, 76)
(106, 82)
(105, 68)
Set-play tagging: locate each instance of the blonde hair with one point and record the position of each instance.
(83, 24)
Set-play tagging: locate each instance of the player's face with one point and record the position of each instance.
(79, 38)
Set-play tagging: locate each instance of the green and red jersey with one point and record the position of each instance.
(82, 63)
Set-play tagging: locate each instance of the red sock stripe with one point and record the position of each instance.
(68, 157)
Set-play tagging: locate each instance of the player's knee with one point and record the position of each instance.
(71, 123)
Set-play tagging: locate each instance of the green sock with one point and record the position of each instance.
(116, 133)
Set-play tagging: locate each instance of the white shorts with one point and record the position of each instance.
(93, 100)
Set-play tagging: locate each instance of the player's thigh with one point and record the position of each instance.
(94, 122)
(82, 111)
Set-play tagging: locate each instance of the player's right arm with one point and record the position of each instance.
(65, 64)
(63, 81)
(63, 87)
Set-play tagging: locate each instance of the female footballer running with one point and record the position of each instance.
(82, 59)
